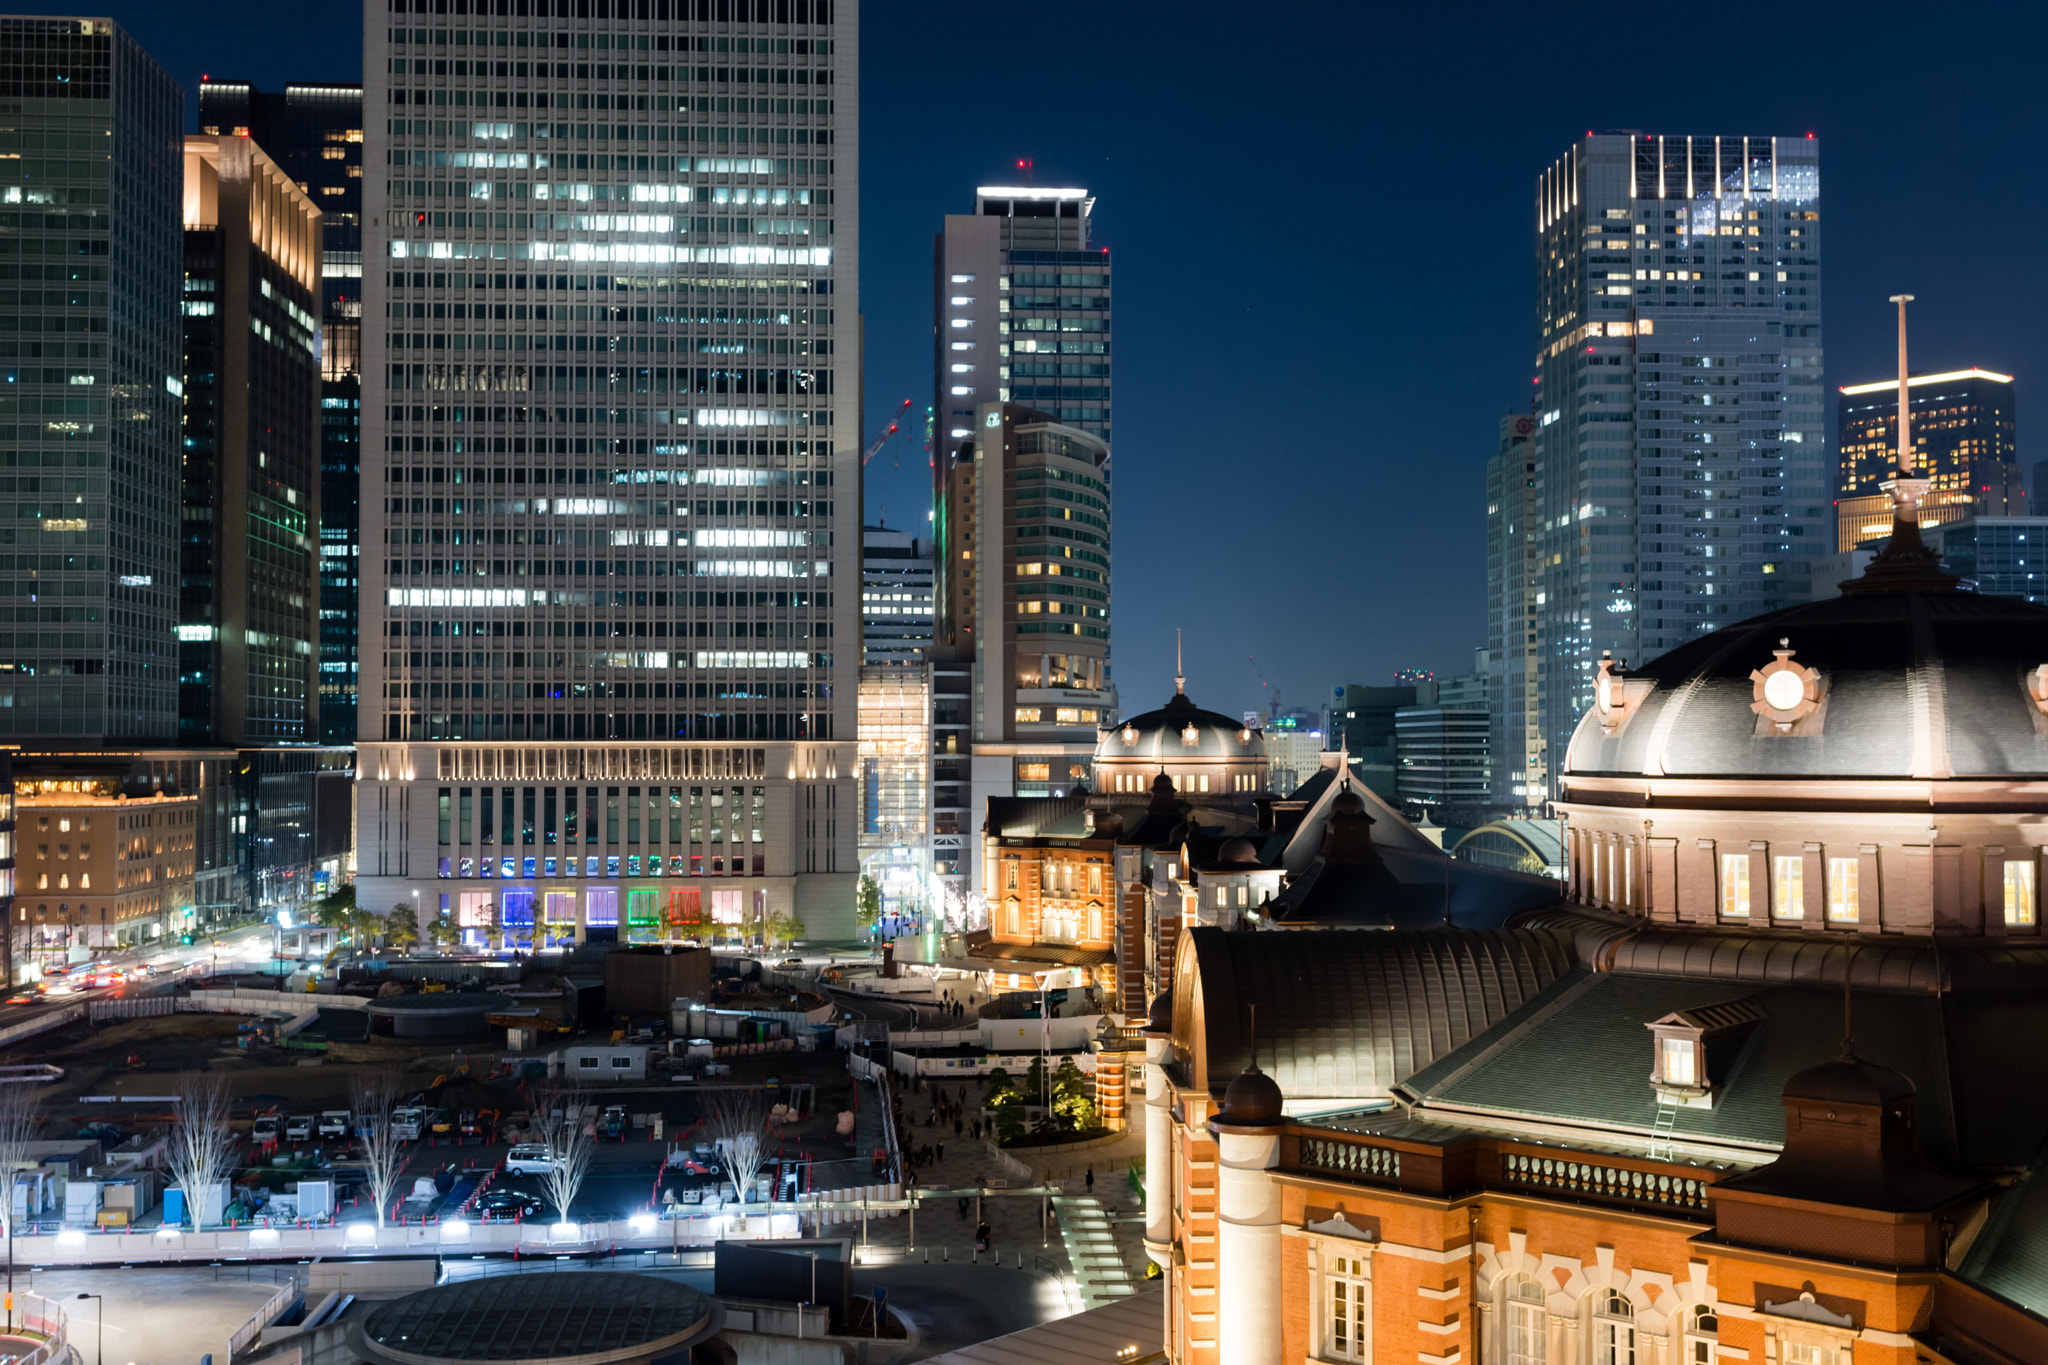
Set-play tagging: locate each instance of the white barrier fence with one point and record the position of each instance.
(645, 1232)
(44, 1318)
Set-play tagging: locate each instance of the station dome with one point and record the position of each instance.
(1177, 732)
(1924, 683)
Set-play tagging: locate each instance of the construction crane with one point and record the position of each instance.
(875, 446)
(1273, 705)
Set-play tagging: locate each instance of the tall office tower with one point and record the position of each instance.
(611, 624)
(249, 571)
(1680, 442)
(896, 598)
(1515, 736)
(93, 130)
(1021, 311)
(1964, 442)
(315, 132)
(1021, 587)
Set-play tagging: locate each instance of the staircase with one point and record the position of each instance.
(1106, 1250)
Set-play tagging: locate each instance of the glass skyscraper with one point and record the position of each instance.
(612, 618)
(1965, 443)
(1680, 457)
(315, 132)
(90, 260)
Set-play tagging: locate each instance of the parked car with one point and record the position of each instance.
(407, 1121)
(334, 1123)
(612, 1122)
(530, 1158)
(504, 1206)
(298, 1128)
(264, 1132)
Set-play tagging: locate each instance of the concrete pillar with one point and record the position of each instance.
(1158, 1153)
(1247, 1246)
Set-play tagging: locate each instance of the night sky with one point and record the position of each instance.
(1321, 220)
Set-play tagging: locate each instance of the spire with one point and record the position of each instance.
(1905, 563)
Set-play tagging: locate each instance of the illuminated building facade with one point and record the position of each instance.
(1512, 574)
(1021, 305)
(611, 631)
(1680, 437)
(249, 565)
(1964, 439)
(315, 132)
(895, 598)
(87, 648)
(896, 789)
(1022, 595)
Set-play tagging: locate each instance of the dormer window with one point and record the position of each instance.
(1695, 1048)
(1678, 1061)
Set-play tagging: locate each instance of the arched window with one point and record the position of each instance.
(1014, 921)
(1702, 1331)
(1094, 923)
(1524, 1318)
(1614, 1329)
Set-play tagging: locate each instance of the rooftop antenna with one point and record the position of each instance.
(1030, 172)
(1905, 562)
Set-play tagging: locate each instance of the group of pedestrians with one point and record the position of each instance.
(945, 1107)
(950, 1007)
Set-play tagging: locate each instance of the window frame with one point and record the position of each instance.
(1354, 1282)
(1614, 1328)
(2019, 875)
(1734, 889)
(1837, 883)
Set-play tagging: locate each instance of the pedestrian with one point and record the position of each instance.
(956, 1125)
(1090, 1180)
(941, 1150)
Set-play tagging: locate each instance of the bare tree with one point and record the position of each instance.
(737, 1121)
(372, 1097)
(558, 1115)
(201, 1145)
(21, 1114)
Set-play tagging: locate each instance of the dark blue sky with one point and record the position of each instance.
(1320, 216)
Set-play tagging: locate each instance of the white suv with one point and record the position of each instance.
(531, 1158)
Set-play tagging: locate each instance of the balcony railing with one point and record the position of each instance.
(1350, 1157)
(1457, 1163)
(1590, 1177)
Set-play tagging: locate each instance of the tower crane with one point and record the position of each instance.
(875, 446)
(1272, 705)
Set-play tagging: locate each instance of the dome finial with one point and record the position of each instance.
(1180, 672)
(1905, 563)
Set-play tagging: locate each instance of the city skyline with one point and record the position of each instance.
(1383, 338)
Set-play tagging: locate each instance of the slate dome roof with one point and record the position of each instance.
(1927, 682)
(1161, 736)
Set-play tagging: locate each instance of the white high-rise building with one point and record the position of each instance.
(611, 474)
(1680, 448)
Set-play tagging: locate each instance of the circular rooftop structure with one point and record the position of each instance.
(601, 1318)
(1919, 683)
(1178, 731)
(438, 1014)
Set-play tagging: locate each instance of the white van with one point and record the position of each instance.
(530, 1158)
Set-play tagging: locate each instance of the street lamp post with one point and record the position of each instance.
(100, 1350)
